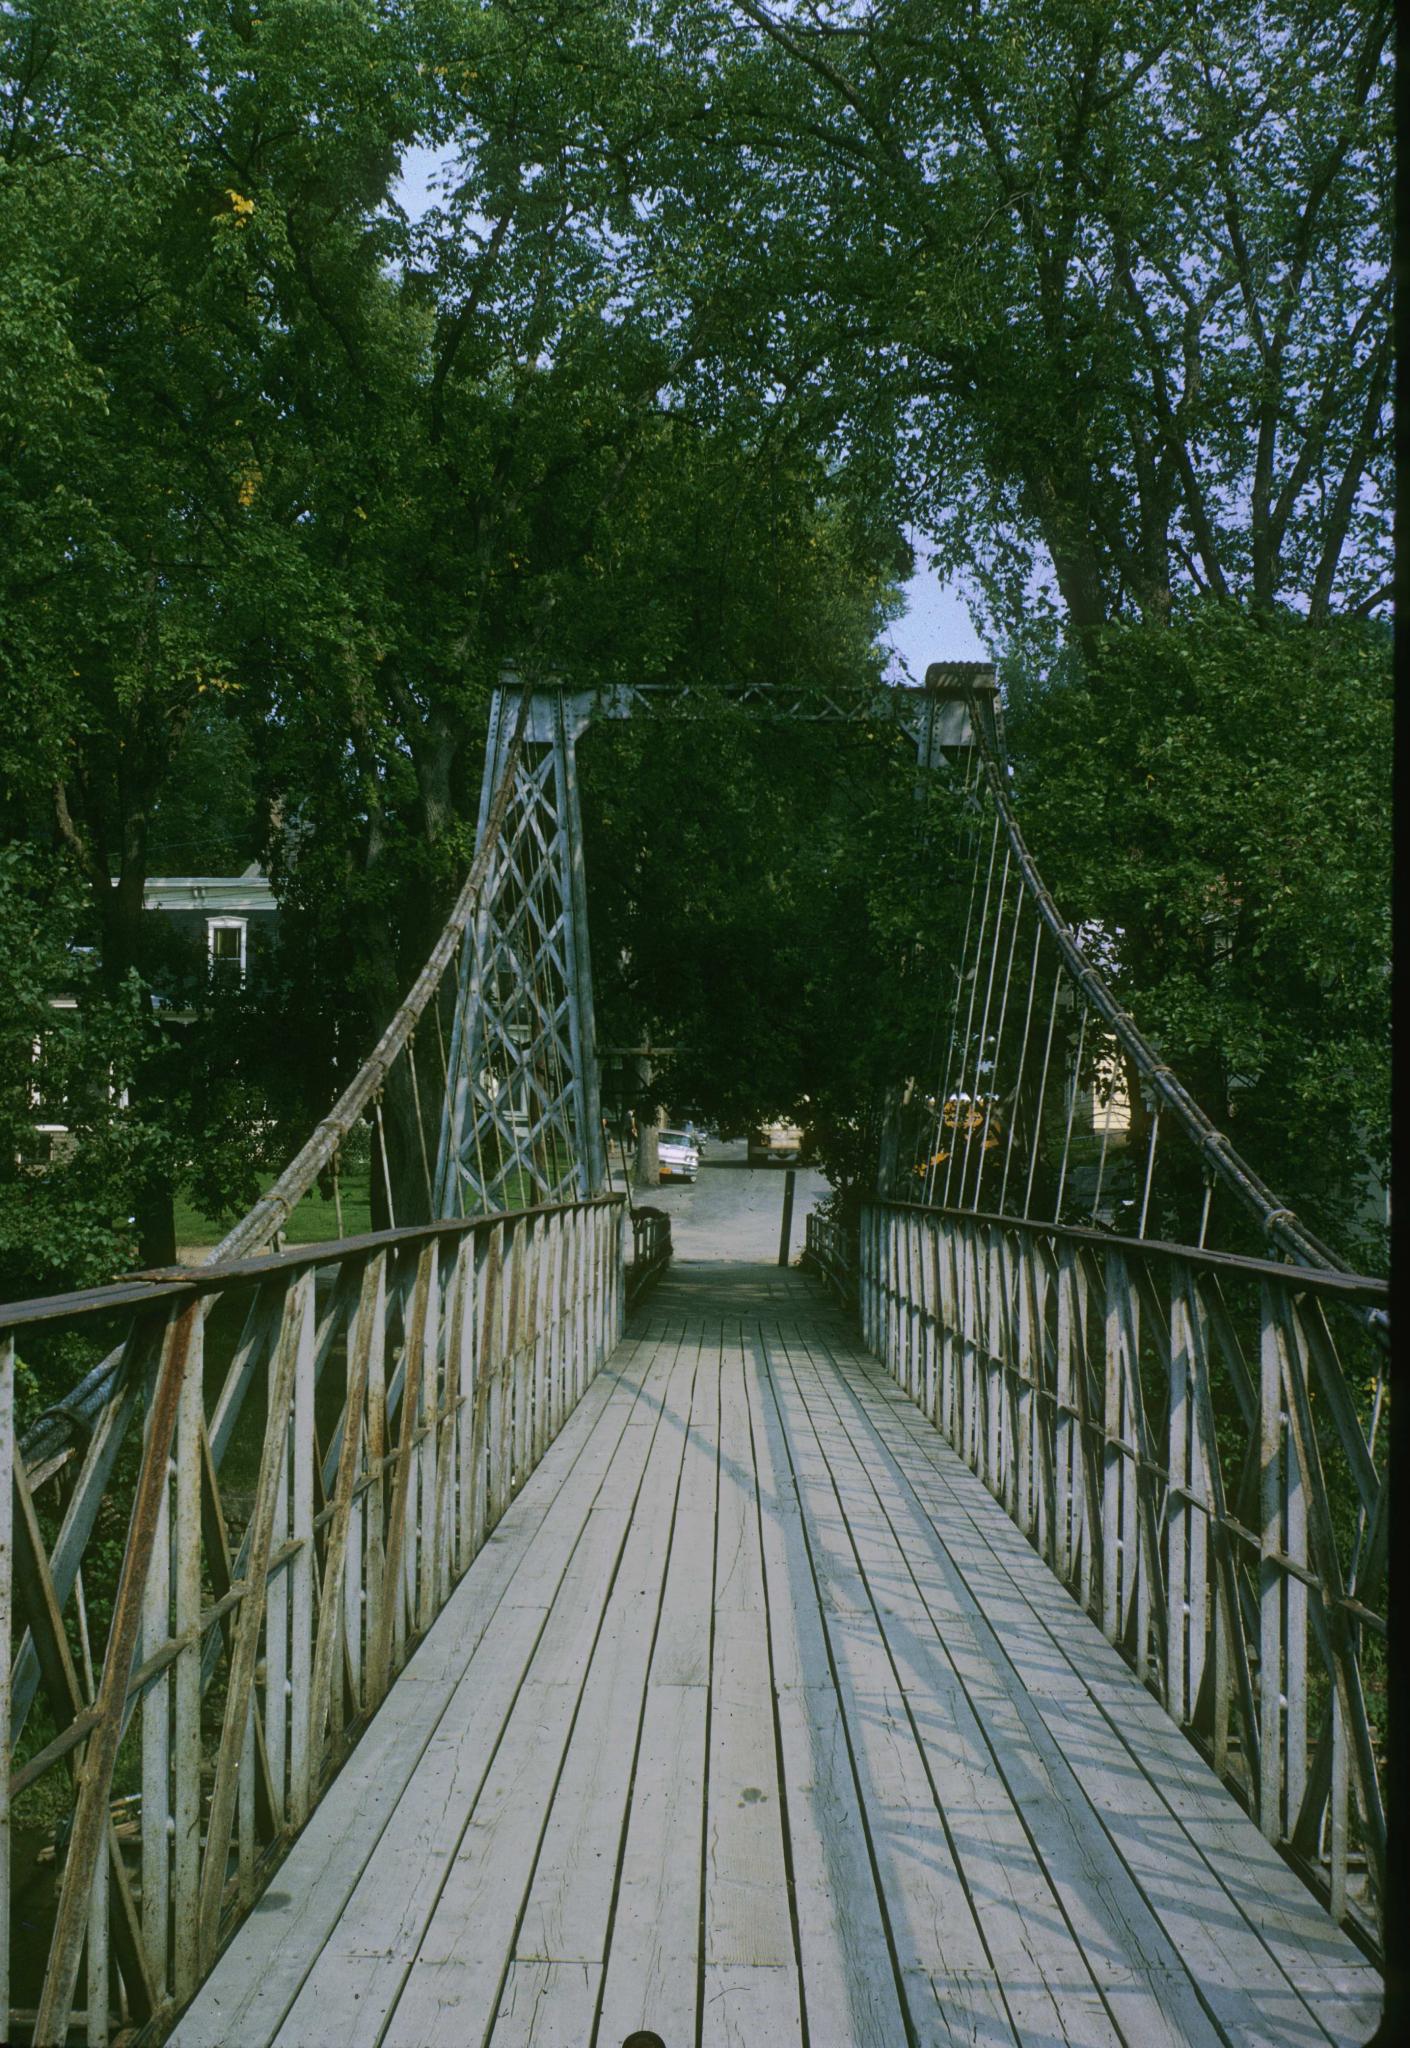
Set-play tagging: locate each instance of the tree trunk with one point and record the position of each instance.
(119, 904)
(648, 1157)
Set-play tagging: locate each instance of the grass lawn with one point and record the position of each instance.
(315, 1221)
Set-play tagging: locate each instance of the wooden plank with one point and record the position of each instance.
(433, 1886)
(1066, 1667)
(547, 2005)
(654, 1956)
(955, 2009)
(482, 1897)
(569, 1904)
(747, 1920)
(682, 1653)
(849, 1986)
(253, 1984)
(797, 1638)
(746, 2004)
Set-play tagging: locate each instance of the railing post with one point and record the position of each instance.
(930, 1316)
(7, 1608)
(1270, 1623)
(1179, 1521)
(1022, 1406)
(302, 1452)
(156, 1756)
(525, 1347)
(186, 1573)
(995, 1435)
(1116, 1564)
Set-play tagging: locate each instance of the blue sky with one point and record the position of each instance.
(936, 625)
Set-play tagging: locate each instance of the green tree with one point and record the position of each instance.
(138, 413)
(1112, 281)
(1220, 804)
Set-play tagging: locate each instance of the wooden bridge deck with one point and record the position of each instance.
(758, 1722)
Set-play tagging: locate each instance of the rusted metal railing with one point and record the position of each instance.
(299, 1454)
(1196, 1444)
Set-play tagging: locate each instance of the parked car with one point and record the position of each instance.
(774, 1140)
(677, 1156)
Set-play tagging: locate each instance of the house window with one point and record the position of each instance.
(225, 944)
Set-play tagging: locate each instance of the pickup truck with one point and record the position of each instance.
(774, 1140)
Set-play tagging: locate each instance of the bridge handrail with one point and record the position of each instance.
(1175, 1431)
(185, 1283)
(1364, 1289)
(411, 1379)
(828, 1250)
(651, 1250)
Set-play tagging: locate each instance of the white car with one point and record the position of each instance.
(677, 1156)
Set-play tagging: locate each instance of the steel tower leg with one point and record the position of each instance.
(521, 1122)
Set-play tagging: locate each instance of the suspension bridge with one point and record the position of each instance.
(483, 1631)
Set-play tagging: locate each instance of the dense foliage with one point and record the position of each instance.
(1217, 797)
(1109, 282)
(711, 299)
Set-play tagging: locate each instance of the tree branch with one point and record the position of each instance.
(1344, 498)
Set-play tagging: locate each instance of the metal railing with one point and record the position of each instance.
(295, 1459)
(1195, 1443)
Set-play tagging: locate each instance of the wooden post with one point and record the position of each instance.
(786, 1231)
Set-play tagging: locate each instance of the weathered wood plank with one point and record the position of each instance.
(654, 1958)
(682, 1653)
(1066, 1667)
(849, 1986)
(747, 1919)
(547, 2005)
(570, 1901)
(256, 1980)
(482, 1894)
(429, 1882)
